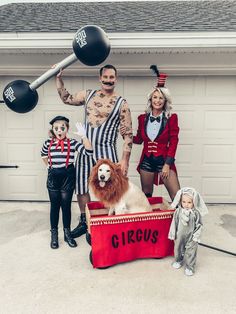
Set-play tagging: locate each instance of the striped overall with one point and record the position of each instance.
(103, 139)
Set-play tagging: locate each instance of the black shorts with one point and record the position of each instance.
(152, 163)
(61, 179)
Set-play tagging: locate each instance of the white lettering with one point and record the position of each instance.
(80, 38)
(9, 94)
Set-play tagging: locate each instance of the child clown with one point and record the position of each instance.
(186, 227)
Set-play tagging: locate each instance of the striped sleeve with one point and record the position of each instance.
(79, 147)
(44, 150)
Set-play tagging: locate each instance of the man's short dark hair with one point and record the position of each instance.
(108, 66)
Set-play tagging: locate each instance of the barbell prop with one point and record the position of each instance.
(90, 45)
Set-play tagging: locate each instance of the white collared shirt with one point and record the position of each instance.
(153, 127)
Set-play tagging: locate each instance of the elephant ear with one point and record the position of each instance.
(199, 204)
(176, 200)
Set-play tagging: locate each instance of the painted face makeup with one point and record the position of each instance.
(60, 129)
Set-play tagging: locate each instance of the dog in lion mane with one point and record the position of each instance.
(115, 190)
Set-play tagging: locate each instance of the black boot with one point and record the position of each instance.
(81, 228)
(54, 238)
(68, 238)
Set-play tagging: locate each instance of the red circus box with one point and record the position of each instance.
(122, 238)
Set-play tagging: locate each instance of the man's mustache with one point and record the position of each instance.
(108, 83)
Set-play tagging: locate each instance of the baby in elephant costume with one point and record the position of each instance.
(186, 227)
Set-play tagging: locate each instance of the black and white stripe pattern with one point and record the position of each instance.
(59, 158)
(103, 139)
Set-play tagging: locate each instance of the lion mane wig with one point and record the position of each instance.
(114, 188)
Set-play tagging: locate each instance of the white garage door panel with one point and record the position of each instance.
(217, 155)
(219, 120)
(206, 154)
(19, 184)
(213, 186)
(22, 184)
(220, 87)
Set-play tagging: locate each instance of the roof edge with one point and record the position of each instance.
(211, 70)
(11, 41)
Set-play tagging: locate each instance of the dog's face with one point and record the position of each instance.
(104, 173)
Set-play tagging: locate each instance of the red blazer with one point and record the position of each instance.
(165, 143)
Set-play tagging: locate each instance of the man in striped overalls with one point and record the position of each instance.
(105, 112)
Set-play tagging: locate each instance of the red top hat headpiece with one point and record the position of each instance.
(161, 77)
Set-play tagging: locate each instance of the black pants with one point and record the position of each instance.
(61, 184)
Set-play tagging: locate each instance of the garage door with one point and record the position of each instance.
(206, 107)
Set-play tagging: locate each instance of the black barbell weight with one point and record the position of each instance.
(97, 42)
(90, 45)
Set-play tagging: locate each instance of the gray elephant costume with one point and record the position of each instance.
(186, 227)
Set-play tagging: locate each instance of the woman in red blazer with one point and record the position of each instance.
(158, 132)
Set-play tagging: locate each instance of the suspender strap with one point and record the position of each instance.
(68, 153)
(49, 152)
(89, 96)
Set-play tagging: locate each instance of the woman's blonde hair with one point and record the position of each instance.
(168, 101)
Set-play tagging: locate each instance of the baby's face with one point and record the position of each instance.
(186, 201)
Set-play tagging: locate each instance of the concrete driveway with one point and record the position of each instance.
(37, 279)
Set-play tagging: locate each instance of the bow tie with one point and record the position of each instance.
(158, 119)
(60, 143)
